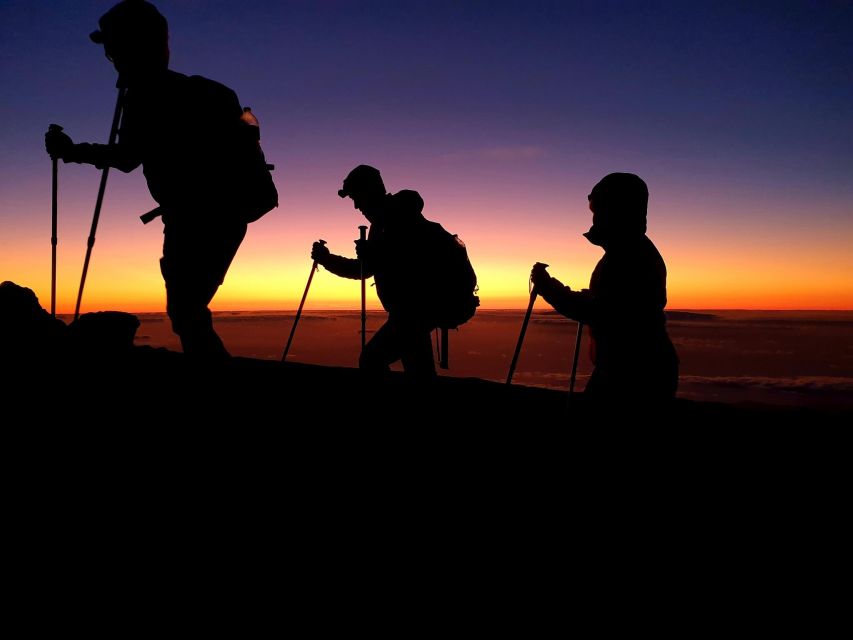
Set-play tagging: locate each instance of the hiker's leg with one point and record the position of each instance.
(416, 350)
(382, 349)
(195, 260)
(596, 387)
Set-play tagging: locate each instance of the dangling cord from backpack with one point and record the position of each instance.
(443, 361)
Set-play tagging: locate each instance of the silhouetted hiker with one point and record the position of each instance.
(202, 162)
(408, 256)
(624, 306)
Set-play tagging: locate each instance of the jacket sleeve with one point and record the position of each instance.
(346, 267)
(577, 305)
(124, 155)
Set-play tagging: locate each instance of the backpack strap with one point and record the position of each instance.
(443, 358)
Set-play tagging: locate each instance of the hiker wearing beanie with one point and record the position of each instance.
(624, 306)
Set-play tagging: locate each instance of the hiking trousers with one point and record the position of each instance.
(196, 256)
(400, 339)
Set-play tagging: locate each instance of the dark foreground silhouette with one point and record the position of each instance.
(201, 157)
(91, 371)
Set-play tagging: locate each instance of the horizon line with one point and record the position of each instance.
(522, 309)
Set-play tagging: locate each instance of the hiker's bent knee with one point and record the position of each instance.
(370, 360)
(186, 317)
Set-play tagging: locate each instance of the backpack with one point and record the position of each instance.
(246, 186)
(252, 172)
(456, 300)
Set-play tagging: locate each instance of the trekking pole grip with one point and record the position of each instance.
(54, 128)
(538, 265)
(541, 266)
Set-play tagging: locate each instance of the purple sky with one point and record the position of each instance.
(739, 115)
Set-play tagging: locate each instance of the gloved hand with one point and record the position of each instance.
(363, 249)
(543, 283)
(58, 144)
(320, 252)
(539, 276)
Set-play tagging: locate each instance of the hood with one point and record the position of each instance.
(406, 207)
(619, 203)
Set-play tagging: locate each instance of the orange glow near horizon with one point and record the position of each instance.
(268, 283)
(709, 268)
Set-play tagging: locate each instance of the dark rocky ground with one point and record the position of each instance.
(90, 372)
(137, 470)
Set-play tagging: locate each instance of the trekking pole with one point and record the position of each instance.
(527, 315)
(53, 219)
(99, 201)
(575, 359)
(362, 235)
(301, 304)
(444, 359)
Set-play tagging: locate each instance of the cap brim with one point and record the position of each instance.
(97, 37)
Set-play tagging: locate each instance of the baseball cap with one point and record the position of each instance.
(363, 177)
(131, 19)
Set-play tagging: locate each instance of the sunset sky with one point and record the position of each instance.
(503, 115)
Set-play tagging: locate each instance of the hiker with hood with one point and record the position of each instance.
(624, 305)
(409, 257)
(201, 159)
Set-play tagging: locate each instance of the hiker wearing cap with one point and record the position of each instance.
(201, 160)
(624, 305)
(400, 253)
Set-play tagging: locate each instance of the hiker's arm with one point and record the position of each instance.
(577, 305)
(343, 267)
(122, 156)
(103, 155)
(340, 266)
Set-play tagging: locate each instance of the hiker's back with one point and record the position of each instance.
(440, 282)
(422, 270)
(454, 283)
(632, 350)
(629, 286)
(197, 153)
